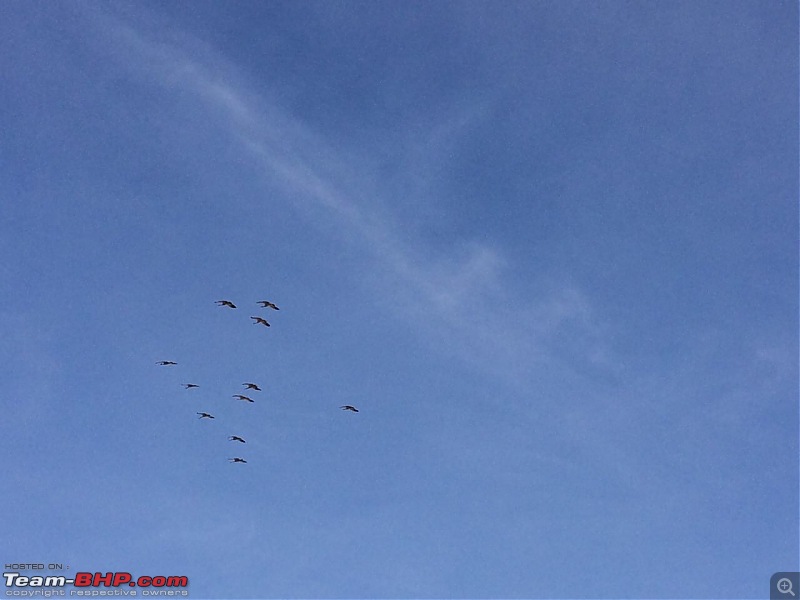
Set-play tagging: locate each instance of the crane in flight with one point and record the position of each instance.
(245, 398)
(227, 303)
(205, 415)
(348, 407)
(259, 321)
(268, 304)
(166, 363)
(236, 438)
(252, 386)
(237, 460)
(189, 386)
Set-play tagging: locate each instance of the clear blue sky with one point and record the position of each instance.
(548, 249)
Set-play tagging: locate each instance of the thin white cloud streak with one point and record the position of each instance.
(510, 338)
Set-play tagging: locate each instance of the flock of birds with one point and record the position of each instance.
(249, 386)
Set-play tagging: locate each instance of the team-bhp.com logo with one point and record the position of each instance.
(157, 585)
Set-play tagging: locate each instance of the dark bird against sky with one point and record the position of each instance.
(237, 460)
(227, 303)
(348, 407)
(205, 415)
(268, 304)
(166, 363)
(259, 320)
(240, 397)
(252, 386)
(236, 438)
(189, 386)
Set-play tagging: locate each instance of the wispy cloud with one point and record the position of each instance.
(512, 334)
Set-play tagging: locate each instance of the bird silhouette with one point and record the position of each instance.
(259, 321)
(268, 304)
(205, 415)
(348, 407)
(237, 460)
(252, 386)
(240, 397)
(165, 363)
(227, 303)
(236, 438)
(189, 386)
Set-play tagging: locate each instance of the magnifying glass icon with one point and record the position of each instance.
(784, 586)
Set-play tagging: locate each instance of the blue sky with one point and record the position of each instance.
(548, 249)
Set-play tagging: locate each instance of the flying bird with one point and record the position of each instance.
(189, 386)
(205, 415)
(252, 386)
(227, 303)
(165, 363)
(268, 304)
(240, 397)
(236, 438)
(348, 407)
(259, 321)
(237, 459)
